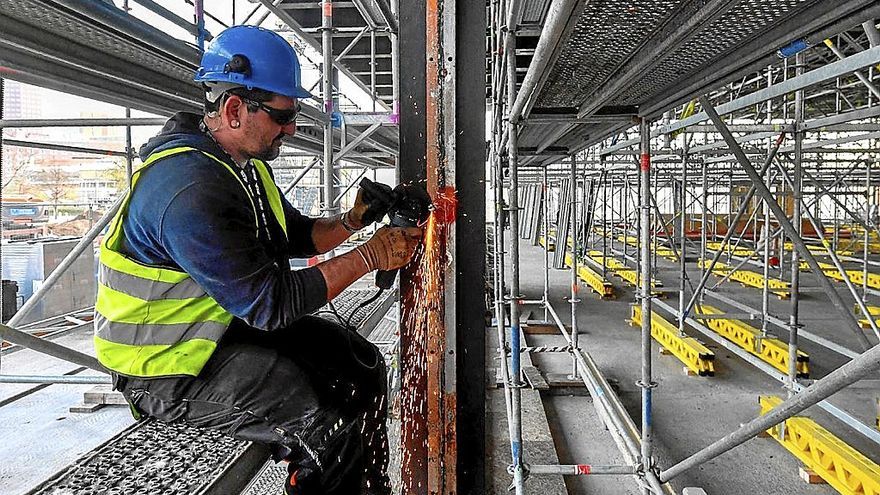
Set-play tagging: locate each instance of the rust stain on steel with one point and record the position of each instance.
(425, 427)
(428, 462)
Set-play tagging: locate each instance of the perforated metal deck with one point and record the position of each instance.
(623, 57)
(153, 458)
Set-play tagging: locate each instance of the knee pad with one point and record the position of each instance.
(332, 445)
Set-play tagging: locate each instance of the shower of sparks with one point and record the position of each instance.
(423, 318)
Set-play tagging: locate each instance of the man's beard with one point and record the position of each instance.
(270, 152)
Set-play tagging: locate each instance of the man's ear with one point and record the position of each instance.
(232, 108)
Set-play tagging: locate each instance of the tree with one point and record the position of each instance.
(56, 184)
(12, 168)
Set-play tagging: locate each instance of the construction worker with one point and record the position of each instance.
(198, 313)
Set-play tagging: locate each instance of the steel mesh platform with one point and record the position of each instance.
(149, 458)
(605, 35)
(736, 26)
(610, 36)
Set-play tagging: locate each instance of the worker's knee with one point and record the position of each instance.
(331, 444)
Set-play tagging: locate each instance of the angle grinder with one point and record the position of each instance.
(408, 206)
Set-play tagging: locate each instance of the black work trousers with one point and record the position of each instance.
(314, 392)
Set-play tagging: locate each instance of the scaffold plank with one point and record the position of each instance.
(847, 470)
(770, 350)
(695, 356)
(781, 288)
(594, 280)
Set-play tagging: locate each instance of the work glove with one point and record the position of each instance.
(370, 205)
(390, 247)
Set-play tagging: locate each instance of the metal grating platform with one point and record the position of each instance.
(736, 26)
(619, 58)
(153, 458)
(605, 36)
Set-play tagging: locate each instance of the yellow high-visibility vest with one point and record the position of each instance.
(155, 321)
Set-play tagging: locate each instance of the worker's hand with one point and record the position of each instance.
(390, 247)
(370, 205)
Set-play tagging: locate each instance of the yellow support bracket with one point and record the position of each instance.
(820, 250)
(872, 310)
(552, 246)
(594, 280)
(770, 350)
(697, 357)
(749, 278)
(857, 277)
(716, 246)
(619, 269)
(663, 252)
(844, 468)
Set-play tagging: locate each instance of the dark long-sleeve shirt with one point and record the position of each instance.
(188, 212)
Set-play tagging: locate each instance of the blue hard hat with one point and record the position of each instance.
(253, 57)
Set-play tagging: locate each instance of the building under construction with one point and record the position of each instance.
(652, 264)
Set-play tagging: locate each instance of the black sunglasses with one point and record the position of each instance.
(281, 117)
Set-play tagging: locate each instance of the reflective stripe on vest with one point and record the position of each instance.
(156, 321)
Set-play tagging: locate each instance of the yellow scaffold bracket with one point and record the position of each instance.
(781, 288)
(857, 277)
(594, 280)
(844, 468)
(770, 350)
(697, 357)
(872, 310)
(551, 247)
(663, 252)
(820, 250)
(739, 251)
(619, 269)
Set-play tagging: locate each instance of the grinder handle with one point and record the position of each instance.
(385, 278)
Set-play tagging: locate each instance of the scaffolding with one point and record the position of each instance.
(651, 140)
(735, 139)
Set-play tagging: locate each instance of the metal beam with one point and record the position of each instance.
(355, 142)
(833, 70)
(562, 13)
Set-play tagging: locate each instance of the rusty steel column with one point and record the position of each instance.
(442, 324)
(440, 280)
